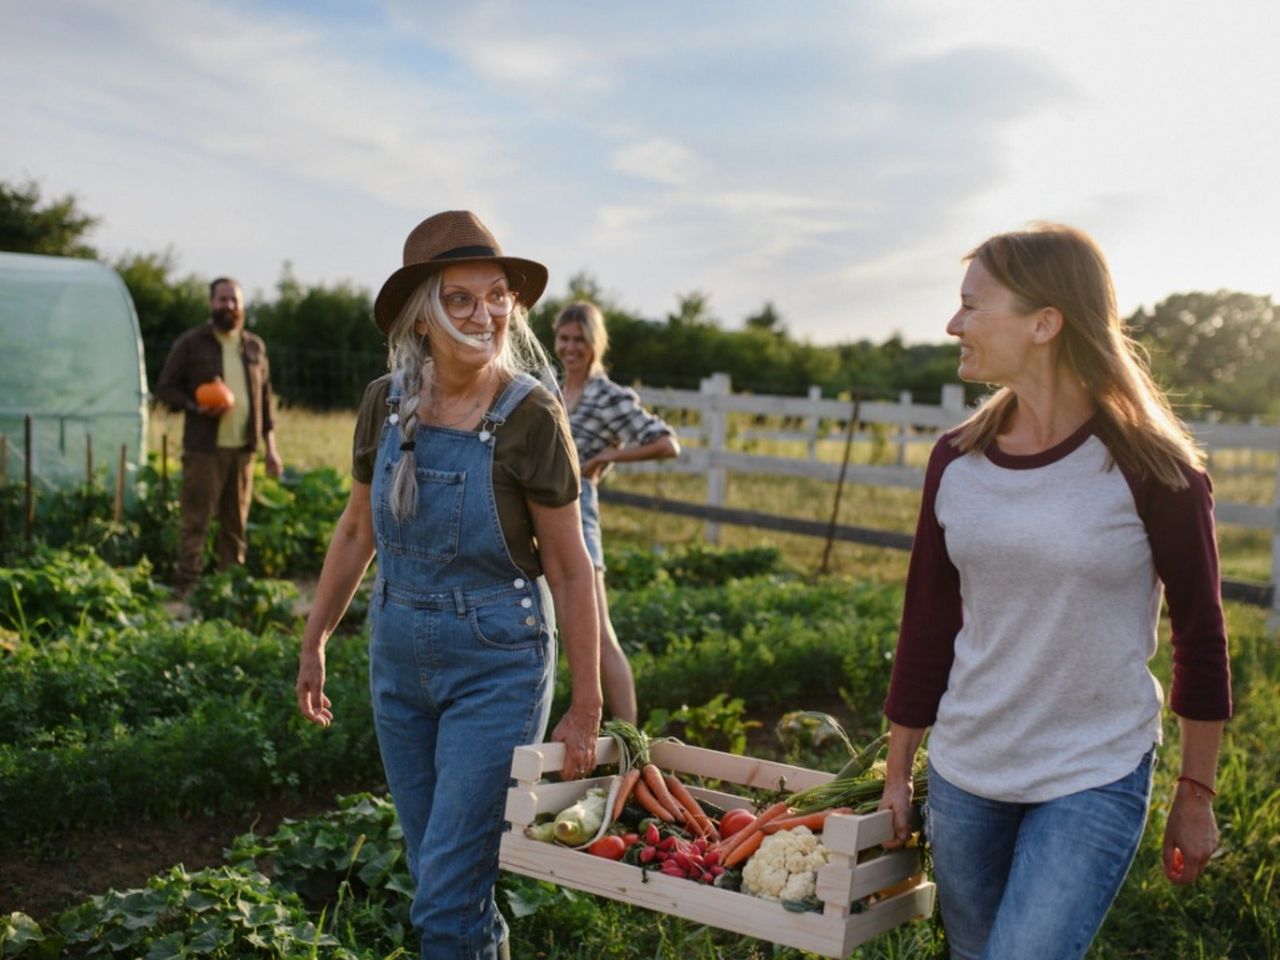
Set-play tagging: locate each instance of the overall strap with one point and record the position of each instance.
(511, 398)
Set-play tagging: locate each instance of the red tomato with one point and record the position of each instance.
(734, 820)
(610, 847)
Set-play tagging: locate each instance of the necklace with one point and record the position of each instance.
(467, 415)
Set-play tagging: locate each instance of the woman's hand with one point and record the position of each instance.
(1191, 832)
(1190, 835)
(899, 788)
(592, 469)
(578, 730)
(315, 706)
(350, 549)
(897, 797)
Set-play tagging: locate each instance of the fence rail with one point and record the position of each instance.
(901, 425)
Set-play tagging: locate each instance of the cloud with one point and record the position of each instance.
(834, 162)
(659, 160)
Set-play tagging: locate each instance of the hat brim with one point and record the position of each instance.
(526, 278)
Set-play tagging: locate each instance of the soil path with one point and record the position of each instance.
(43, 879)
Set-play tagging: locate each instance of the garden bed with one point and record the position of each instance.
(850, 915)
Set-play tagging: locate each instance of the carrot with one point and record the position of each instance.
(696, 814)
(652, 777)
(644, 796)
(755, 828)
(743, 850)
(624, 790)
(814, 821)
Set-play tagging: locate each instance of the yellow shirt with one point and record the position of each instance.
(233, 425)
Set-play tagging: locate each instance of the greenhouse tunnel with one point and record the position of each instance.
(71, 359)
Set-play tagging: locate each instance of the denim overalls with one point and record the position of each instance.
(462, 665)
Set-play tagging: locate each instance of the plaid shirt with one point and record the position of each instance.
(610, 415)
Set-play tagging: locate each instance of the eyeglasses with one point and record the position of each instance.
(462, 305)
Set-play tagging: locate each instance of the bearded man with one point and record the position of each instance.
(219, 443)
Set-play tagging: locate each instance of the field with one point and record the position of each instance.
(171, 766)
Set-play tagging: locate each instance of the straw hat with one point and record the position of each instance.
(456, 236)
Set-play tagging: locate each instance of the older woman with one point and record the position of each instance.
(466, 488)
(609, 426)
(1050, 521)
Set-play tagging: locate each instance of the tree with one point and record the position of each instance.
(1218, 349)
(54, 229)
(321, 341)
(692, 310)
(766, 318)
(166, 305)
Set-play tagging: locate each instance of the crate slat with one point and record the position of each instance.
(751, 916)
(842, 884)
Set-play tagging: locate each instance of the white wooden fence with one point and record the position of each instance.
(907, 423)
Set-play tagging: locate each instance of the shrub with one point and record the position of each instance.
(60, 592)
(251, 602)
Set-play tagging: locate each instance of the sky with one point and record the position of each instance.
(836, 158)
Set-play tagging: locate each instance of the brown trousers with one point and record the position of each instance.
(221, 482)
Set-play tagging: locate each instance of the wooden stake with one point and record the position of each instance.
(4, 458)
(119, 511)
(164, 468)
(30, 511)
(88, 461)
(844, 467)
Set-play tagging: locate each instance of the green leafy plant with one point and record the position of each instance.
(361, 840)
(235, 595)
(719, 724)
(59, 591)
(292, 521)
(217, 912)
(703, 566)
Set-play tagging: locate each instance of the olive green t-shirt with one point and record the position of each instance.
(533, 459)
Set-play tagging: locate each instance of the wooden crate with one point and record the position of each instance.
(842, 883)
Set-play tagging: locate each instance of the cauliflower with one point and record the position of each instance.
(786, 866)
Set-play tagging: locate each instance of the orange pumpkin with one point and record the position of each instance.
(215, 395)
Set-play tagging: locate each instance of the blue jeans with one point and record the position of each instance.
(452, 697)
(1032, 880)
(589, 507)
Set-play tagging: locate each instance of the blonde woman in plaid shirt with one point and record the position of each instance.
(609, 426)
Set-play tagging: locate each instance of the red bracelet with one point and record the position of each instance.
(1196, 783)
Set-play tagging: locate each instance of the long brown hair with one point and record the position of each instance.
(1052, 265)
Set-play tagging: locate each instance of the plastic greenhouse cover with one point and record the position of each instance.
(71, 357)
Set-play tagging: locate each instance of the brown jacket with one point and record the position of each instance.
(196, 358)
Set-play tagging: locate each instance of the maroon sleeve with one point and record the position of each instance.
(1184, 549)
(931, 610)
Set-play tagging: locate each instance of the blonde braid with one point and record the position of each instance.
(408, 358)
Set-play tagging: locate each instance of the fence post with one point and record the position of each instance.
(953, 397)
(30, 507)
(904, 426)
(1273, 619)
(716, 433)
(1211, 462)
(815, 394)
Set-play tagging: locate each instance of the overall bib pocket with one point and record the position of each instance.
(432, 532)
